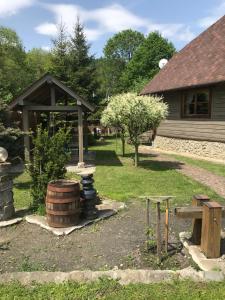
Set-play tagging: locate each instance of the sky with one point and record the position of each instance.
(179, 21)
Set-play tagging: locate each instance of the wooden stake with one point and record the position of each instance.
(158, 218)
(147, 221)
(167, 226)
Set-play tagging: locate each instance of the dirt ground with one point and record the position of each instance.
(117, 241)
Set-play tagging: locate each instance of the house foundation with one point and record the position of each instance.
(212, 150)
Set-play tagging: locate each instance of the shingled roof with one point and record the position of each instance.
(201, 62)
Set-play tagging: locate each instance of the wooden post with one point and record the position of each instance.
(147, 220)
(158, 232)
(166, 226)
(80, 137)
(85, 134)
(198, 200)
(25, 117)
(53, 102)
(211, 228)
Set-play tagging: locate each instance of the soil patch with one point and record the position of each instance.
(118, 241)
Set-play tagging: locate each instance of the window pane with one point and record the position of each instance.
(202, 103)
(189, 107)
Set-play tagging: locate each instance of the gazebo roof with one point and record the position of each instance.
(200, 63)
(39, 93)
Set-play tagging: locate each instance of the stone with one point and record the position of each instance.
(104, 211)
(201, 149)
(10, 222)
(199, 258)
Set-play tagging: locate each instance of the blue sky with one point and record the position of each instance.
(178, 20)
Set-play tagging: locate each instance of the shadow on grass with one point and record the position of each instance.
(160, 165)
(107, 158)
(22, 185)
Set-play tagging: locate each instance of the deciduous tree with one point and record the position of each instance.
(135, 114)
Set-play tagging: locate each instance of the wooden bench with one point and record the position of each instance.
(207, 216)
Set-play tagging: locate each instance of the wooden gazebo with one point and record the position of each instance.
(44, 95)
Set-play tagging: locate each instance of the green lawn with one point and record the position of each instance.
(112, 290)
(216, 168)
(118, 179)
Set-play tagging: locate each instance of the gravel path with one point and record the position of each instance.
(215, 182)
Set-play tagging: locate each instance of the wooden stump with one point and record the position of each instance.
(211, 228)
(198, 200)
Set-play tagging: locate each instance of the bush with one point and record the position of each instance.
(50, 154)
(11, 137)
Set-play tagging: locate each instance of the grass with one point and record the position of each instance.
(216, 168)
(112, 290)
(118, 179)
(22, 196)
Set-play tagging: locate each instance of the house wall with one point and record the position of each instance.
(212, 129)
(204, 137)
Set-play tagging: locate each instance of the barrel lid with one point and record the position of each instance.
(63, 185)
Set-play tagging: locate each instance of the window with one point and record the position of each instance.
(196, 104)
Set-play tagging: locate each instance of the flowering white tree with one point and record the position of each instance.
(136, 115)
(113, 116)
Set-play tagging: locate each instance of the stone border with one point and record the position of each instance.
(199, 258)
(10, 222)
(123, 276)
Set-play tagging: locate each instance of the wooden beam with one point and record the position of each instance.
(192, 212)
(80, 137)
(54, 108)
(85, 133)
(53, 101)
(25, 117)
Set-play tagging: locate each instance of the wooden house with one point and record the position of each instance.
(193, 85)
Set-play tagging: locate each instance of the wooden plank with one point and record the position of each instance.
(211, 228)
(158, 231)
(25, 117)
(54, 108)
(192, 212)
(166, 225)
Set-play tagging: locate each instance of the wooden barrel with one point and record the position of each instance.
(63, 203)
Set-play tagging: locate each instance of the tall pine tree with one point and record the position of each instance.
(82, 70)
(60, 59)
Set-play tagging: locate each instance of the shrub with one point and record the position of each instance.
(50, 155)
(11, 137)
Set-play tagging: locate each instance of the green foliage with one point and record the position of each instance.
(50, 155)
(39, 62)
(60, 61)
(82, 69)
(13, 67)
(134, 115)
(144, 64)
(118, 51)
(123, 45)
(11, 137)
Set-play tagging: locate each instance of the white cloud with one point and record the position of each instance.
(11, 7)
(109, 19)
(46, 48)
(213, 16)
(47, 29)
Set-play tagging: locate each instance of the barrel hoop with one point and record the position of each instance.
(62, 189)
(62, 213)
(61, 200)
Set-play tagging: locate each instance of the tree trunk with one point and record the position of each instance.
(123, 145)
(136, 157)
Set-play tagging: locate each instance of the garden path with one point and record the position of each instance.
(215, 182)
